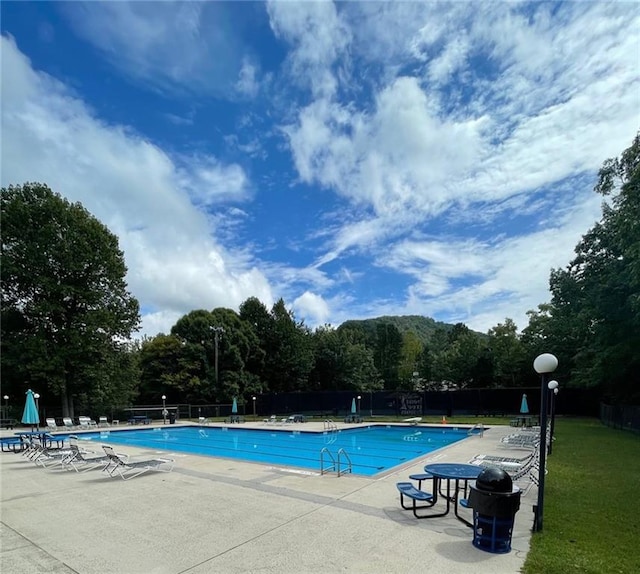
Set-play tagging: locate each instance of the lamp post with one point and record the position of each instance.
(6, 406)
(36, 396)
(543, 365)
(553, 388)
(164, 409)
(254, 406)
(217, 332)
(359, 398)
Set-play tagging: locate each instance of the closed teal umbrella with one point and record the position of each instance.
(234, 407)
(524, 407)
(30, 414)
(353, 407)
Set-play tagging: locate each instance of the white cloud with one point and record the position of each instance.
(313, 307)
(191, 47)
(319, 37)
(135, 188)
(247, 83)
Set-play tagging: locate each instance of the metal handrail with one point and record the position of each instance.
(480, 427)
(330, 425)
(331, 468)
(349, 465)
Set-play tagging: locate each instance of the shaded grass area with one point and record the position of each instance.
(591, 504)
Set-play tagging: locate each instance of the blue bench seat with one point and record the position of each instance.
(420, 477)
(12, 444)
(410, 491)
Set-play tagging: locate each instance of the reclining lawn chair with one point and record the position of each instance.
(121, 467)
(51, 424)
(81, 463)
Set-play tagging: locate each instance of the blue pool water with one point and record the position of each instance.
(372, 450)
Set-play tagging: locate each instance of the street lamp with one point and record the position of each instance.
(553, 386)
(543, 365)
(164, 409)
(217, 332)
(36, 396)
(6, 406)
(254, 406)
(359, 397)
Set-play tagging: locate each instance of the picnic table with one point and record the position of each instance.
(139, 419)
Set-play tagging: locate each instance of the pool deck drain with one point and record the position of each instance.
(225, 516)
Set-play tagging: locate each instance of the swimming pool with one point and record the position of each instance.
(371, 450)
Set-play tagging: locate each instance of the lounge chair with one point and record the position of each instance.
(51, 424)
(413, 420)
(68, 423)
(86, 422)
(81, 463)
(271, 420)
(122, 467)
(508, 459)
(103, 422)
(47, 457)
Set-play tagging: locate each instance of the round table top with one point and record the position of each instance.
(454, 470)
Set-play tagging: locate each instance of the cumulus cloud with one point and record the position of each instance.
(313, 307)
(139, 191)
(442, 142)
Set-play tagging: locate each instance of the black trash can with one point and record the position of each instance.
(172, 417)
(494, 501)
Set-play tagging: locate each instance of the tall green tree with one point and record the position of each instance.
(508, 354)
(388, 353)
(598, 294)
(65, 304)
(289, 354)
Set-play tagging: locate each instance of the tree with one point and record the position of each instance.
(65, 304)
(508, 353)
(595, 305)
(600, 288)
(289, 356)
(388, 352)
(410, 360)
(340, 363)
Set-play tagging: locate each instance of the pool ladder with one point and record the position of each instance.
(334, 465)
(329, 425)
(479, 427)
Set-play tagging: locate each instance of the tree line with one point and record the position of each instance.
(68, 319)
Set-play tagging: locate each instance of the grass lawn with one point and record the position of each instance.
(591, 504)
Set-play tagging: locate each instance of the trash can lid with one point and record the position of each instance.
(494, 479)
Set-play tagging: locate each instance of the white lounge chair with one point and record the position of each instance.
(86, 422)
(413, 420)
(103, 422)
(68, 423)
(121, 467)
(81, 463)
(51, 424)
(271, 420)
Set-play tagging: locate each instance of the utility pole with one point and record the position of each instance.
(217, 333)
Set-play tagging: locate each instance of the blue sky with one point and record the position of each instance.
(356, 159)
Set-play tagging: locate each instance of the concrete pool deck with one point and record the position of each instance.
(223, 516)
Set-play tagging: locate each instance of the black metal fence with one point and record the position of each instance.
(621, 417)
(476, 402)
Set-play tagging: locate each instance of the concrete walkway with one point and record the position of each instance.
(224, 516)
